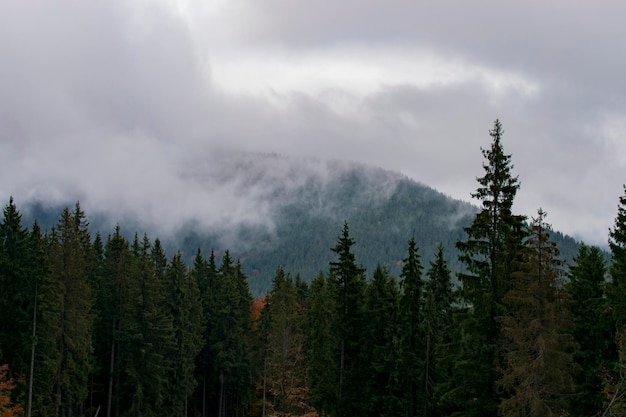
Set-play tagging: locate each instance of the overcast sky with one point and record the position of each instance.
(111, 101)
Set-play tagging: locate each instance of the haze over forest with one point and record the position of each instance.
(120, 104)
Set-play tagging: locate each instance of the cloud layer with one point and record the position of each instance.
(115, 102)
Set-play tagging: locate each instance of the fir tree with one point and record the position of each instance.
(71, 317)
(592, 329)
(411, 362)
(438, 320)
(380, 355)
(184, 306)
(38, 270)
(286, 369)
(322, 342)
(17, 291)
(537, 364)
(493, 241)
(113, 303)
(150, 339)
(229, 346)
(615, 381)
(617, 244)
(349, 286)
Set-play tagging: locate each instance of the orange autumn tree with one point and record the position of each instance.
(7, 408)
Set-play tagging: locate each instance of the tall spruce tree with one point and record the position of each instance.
(322, 342)
(617, 269)
(615, 382)
(592, 328)
(537, 366)
(184, 306)
(349, 291)
(113, 301)
(17, 293)
(229, 326)
(150, 338)
(380, 356)
(438, 319)
(203, 272)
(47, 354)
(493, 241)
(412, 347)
(38, 270)
(71, 318)
(286, 368)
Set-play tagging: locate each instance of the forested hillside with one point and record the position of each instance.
(117, 326)
(306, 203)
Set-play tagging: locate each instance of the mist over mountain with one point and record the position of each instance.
(270, 211)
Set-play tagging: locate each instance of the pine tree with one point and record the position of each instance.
(537, 364)
(114, 299)
(184, 306)
(438, 320)
(47, 354)
(322, 342)
(493, 241)
(380, 356)
(71, 316)
(205, 273)
(286, 369)
(592, 329)
(412, 347)
(615, 381)
(229, 328)
(617, 244)
(349, 286)
(38, 270)
(17, 290)
(150, 338)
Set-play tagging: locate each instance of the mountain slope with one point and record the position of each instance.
(383, 209)
(289, 212)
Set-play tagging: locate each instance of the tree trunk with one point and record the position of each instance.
(111, 368)
(32, 358)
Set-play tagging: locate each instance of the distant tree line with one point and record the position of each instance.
(93, 326)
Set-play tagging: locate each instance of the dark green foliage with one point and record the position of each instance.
(493, 241)
(120, 331)
(229, 347)
(411, 333)
(114, 299)
(380, 353)
(70, 321)
(348, 282)
(537, 367)
(38, 271)
(183, 305)
(285, 369)
(17, 292)
(592, 328)
(321, 346)
(617, 244)
(205, 273)
(150, 339)
(384, 208)
(438, 321)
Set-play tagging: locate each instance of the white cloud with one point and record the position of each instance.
(146, 86)
(359, 70)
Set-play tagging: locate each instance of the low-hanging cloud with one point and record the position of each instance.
(134, 107)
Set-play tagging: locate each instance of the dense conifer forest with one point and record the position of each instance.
(107, 325)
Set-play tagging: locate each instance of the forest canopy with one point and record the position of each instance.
(106, 325)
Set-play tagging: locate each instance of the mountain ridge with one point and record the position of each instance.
(302, 205)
